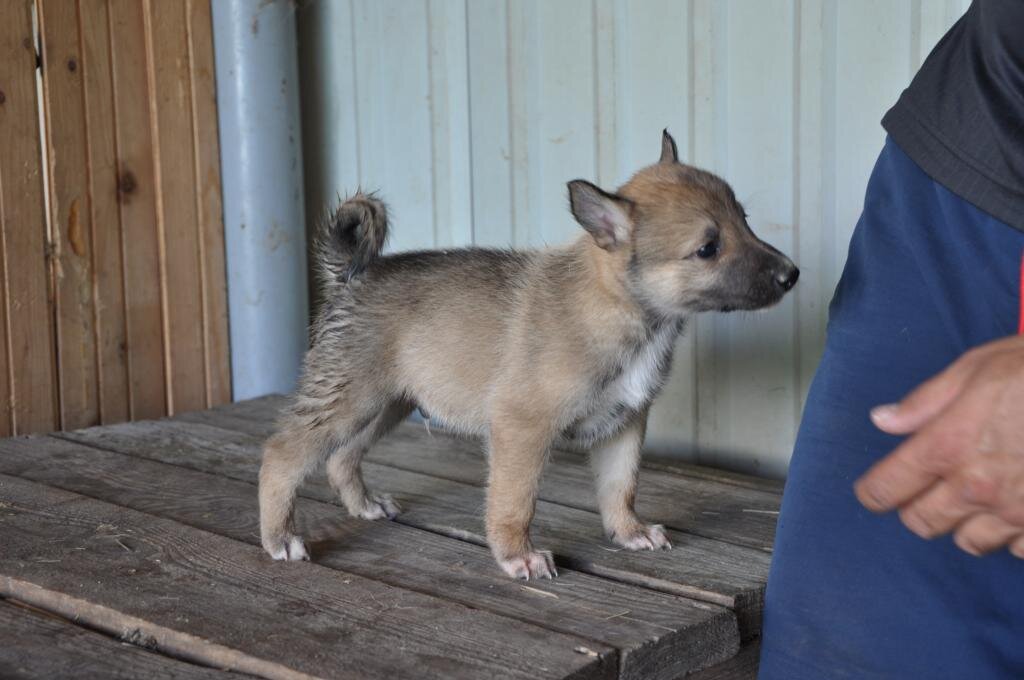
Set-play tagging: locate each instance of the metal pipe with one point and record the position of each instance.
(261, 174)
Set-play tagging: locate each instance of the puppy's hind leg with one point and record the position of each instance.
(343, 466)
(288, 457)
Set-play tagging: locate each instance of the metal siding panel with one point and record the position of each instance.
(566, 114)
(489, 114)
(393, 98)
(449, 114)
(782, 98)
(655, 75)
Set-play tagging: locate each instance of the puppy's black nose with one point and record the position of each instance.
(787, 278)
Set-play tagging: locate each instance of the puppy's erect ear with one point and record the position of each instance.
(606, 216)
(669, 152)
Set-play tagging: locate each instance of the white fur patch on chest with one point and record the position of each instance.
(632, 388)
(643, 375)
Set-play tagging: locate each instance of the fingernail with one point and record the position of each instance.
(883, 413)
(868, 497)
(967, 546)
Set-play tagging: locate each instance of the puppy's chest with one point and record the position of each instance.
(625, 390)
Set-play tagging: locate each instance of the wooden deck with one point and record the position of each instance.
(133, 551)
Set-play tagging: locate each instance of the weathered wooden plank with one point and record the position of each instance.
(658, 635)
(70, 212)
(205, 597)
(743, 666)
(137, 195)
(206, 145)
(30, 405)
(702, 507)
(704, 569)
(680, 467)
(108, 291)
(38, 645)
(170, 96)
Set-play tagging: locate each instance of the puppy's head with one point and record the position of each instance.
(683, 240)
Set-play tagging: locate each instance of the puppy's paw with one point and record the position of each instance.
(379, 506)
(642, 537)
(534, 564)
(288, 547)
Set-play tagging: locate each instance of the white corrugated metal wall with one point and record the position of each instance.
(470, 116)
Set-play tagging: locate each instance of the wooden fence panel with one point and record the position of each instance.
(211, 243)
(137, 204)
(114, 300)
(108, 266)
(71, 230)
(29, 390)
(171, 99)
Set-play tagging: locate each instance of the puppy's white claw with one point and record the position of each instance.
(649, 537)
(380, 506)
(535, 564)
(290, 549)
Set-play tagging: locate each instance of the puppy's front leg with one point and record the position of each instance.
(517, 454)
(615, 463)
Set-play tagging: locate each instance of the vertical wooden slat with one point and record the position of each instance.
(170, 115)
(136, 186)
(30, 402)
(6, 393)
(109, 300)
(70, 213)
(208, 207)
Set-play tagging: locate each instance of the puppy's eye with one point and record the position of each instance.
(708, 250)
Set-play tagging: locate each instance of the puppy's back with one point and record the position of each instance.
(432, 323)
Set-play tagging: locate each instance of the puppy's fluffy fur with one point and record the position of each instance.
(525, 348)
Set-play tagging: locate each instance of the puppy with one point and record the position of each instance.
(564, 345)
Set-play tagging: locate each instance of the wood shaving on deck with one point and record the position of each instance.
(539, 591)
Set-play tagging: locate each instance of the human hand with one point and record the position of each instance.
(962, 467)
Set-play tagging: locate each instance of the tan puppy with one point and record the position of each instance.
(525, 348)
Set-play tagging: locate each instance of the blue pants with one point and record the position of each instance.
(856, 595)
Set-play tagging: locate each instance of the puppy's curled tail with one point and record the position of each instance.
(350, 238)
